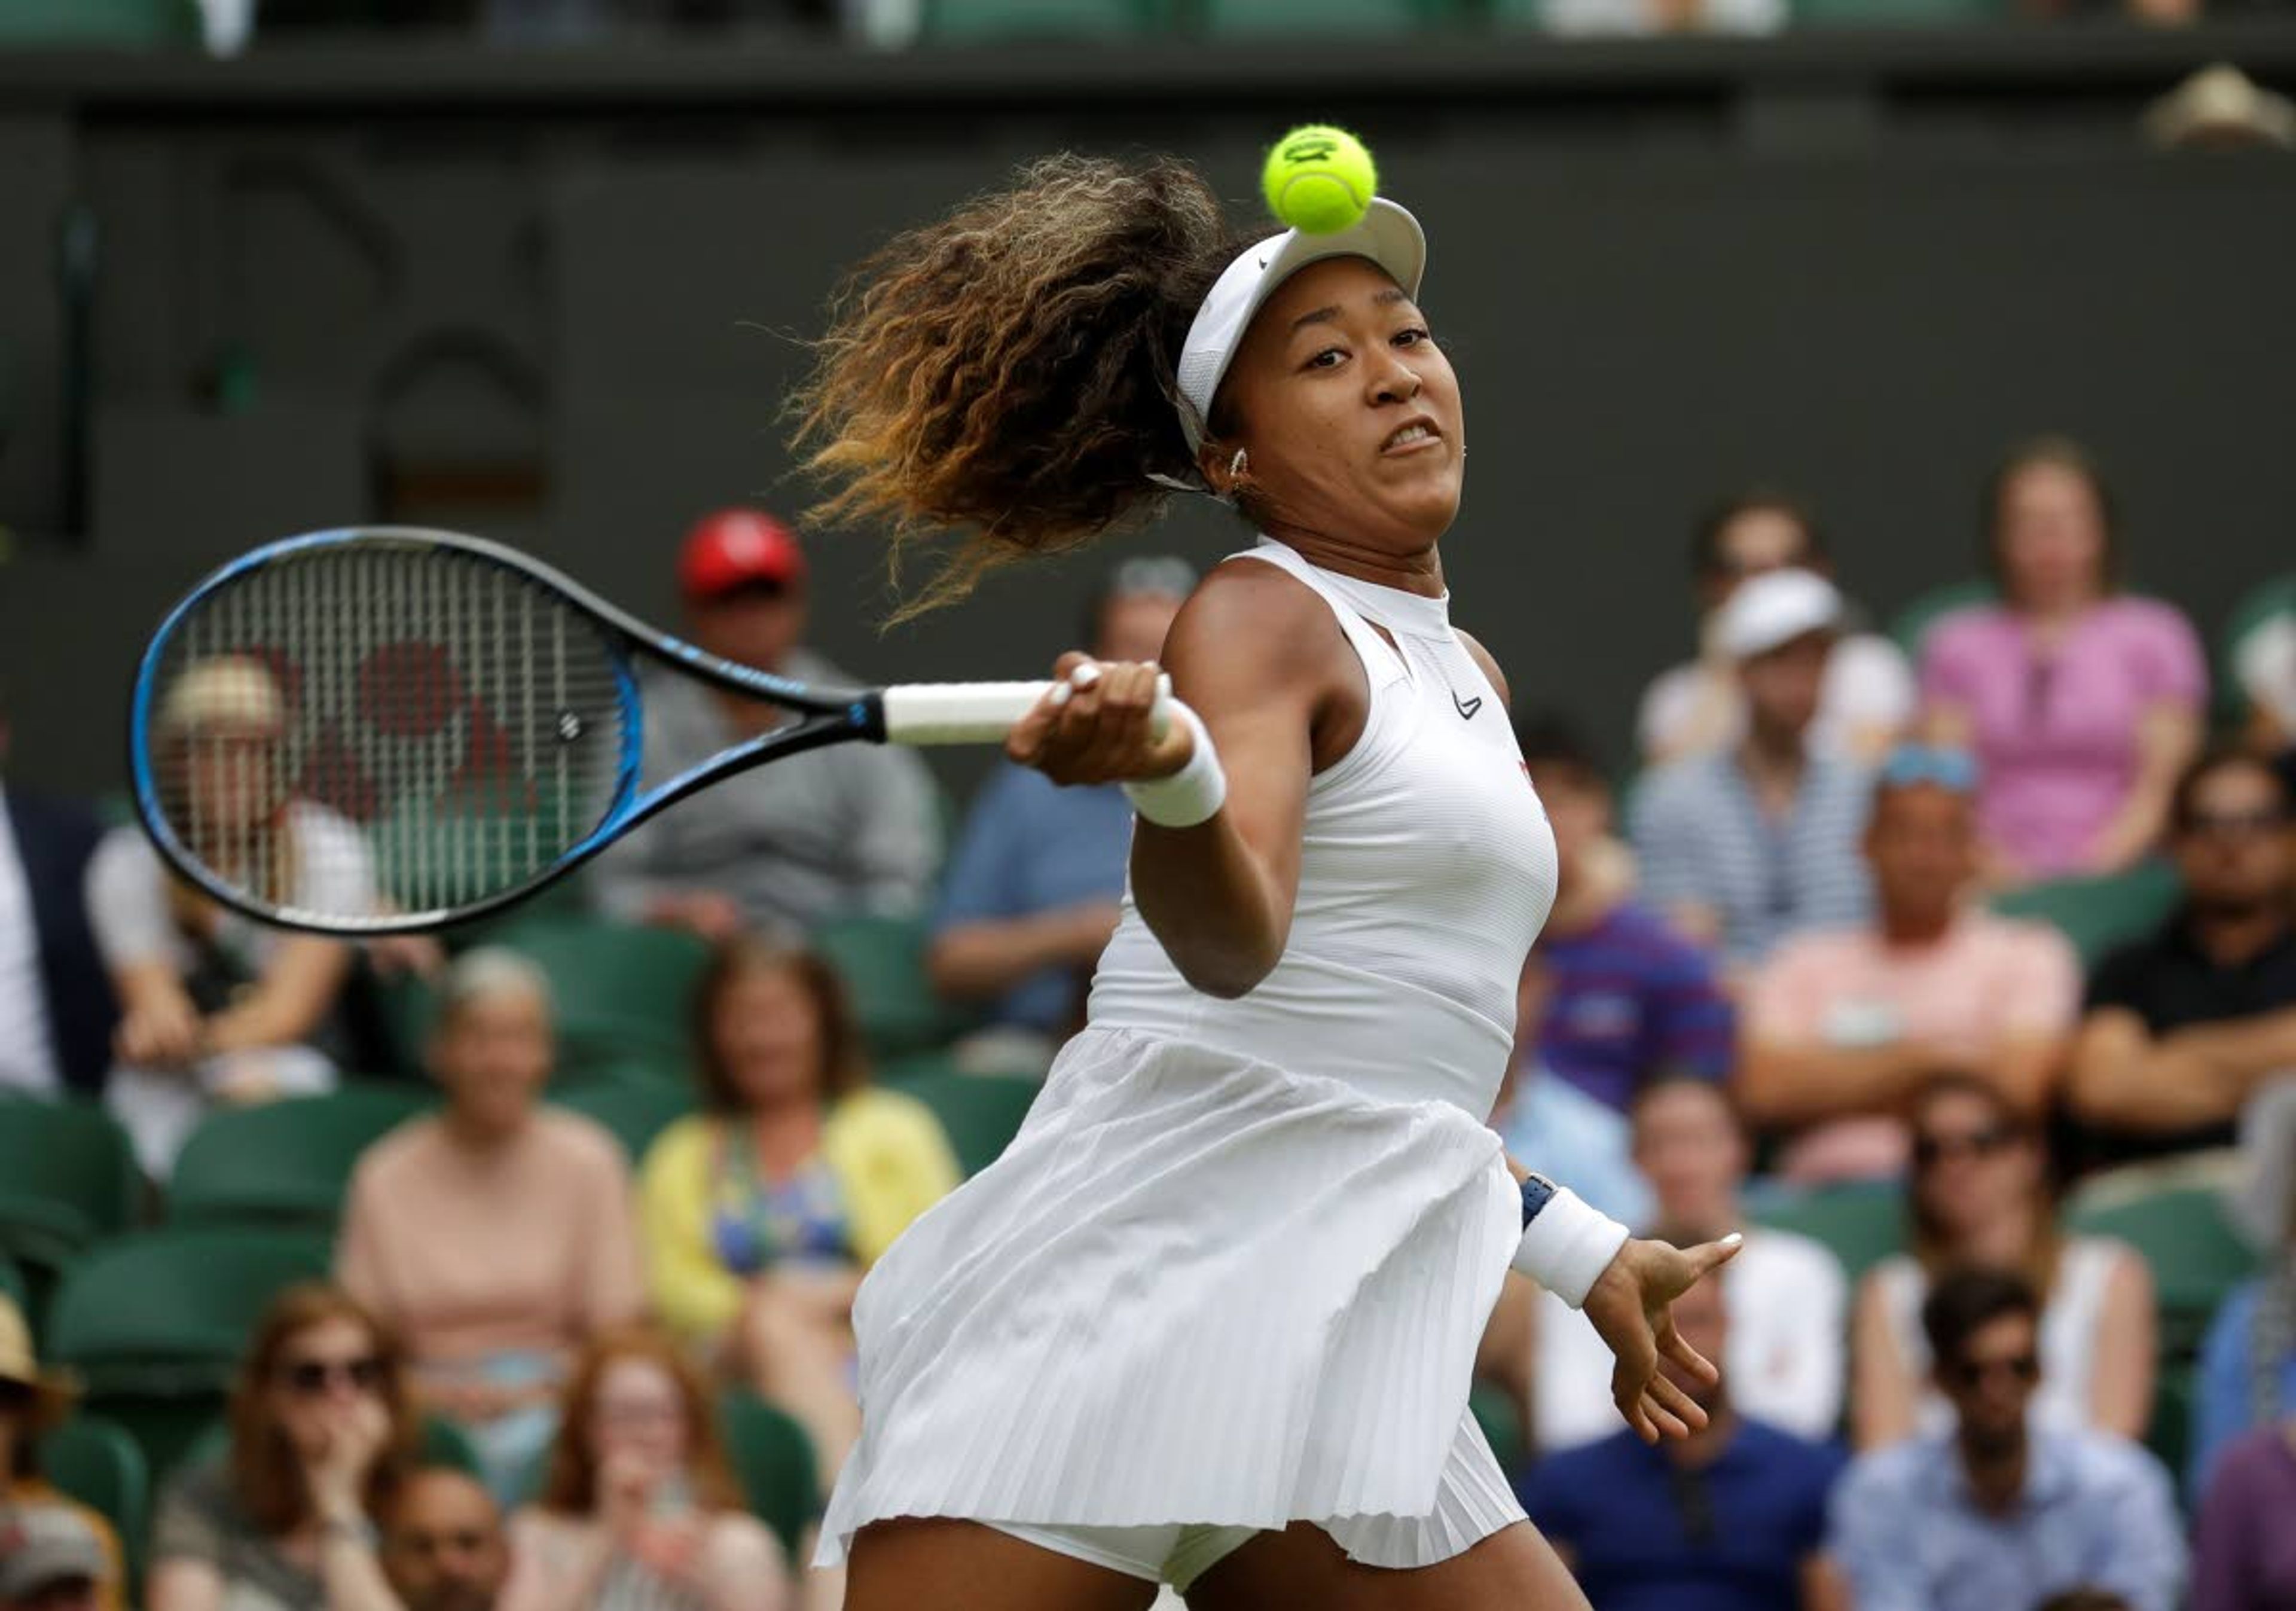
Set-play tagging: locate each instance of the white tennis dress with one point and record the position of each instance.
(1234, 1270)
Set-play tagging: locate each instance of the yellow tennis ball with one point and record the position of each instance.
(1319, 179)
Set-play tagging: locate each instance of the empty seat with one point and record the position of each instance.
(980, 1113)
(2098, 914)
(1859, 1225)
(882, 962)
(774, 1462)
(285, 1162)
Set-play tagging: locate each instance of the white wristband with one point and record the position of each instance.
(1191, 795)
(1567, 1246)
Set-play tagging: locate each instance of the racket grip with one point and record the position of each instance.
(921, 713)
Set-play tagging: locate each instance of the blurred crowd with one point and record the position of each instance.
(1956, 962)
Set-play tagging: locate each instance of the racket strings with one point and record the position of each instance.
(371, 731)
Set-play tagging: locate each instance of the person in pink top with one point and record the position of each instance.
(2083, 703)
(1842, 1025)
(496, 1237)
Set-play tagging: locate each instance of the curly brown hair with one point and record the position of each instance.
(1010, 370)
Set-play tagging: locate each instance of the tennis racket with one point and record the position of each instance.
(384, 729)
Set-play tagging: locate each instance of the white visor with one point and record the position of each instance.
(1386, 233)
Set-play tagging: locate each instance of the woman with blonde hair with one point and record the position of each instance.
(321, 1427)
(638, 1511)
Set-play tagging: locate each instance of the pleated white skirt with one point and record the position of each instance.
(1197, 1289)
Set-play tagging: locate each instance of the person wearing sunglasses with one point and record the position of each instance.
(2001, 1511)
(1842, 1024)
(2185, 1027)
(1980, 1195)
(1698, 707)
(321, 1430)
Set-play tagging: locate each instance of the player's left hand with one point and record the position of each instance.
(1631, 1306)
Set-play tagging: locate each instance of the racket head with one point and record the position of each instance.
(383, 729)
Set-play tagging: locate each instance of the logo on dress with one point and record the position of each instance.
(1466, 708)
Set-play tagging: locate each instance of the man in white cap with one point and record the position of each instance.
(49, 1560)
(1748, 845)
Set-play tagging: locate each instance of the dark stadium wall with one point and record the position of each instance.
(574, 332)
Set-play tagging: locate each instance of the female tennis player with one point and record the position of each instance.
(1210, 1319)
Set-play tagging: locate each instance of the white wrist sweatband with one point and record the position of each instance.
(1191, 795)
(1568, 1244)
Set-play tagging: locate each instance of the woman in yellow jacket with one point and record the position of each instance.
(761, 1213)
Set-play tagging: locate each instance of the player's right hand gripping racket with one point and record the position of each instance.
(384, 729)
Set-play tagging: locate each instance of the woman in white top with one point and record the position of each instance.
(1980, 1197)
(1211, 1320)
(214, 1008)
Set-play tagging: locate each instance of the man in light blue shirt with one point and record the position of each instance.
(2002, 1514)
(1032, 891)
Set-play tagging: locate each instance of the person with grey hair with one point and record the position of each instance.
(2247, 1361)
(493, 1236)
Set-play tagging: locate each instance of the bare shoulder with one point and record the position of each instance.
(1488, 666)
(1252, 619)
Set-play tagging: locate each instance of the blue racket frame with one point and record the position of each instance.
(832, 716)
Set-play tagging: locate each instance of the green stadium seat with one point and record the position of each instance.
(634, 1113)
(98, 24)
(442, 1444)
(97, 1463)
(155, 1323)
(12, 1287)
(980, 1113)
(1896, 14)
(1911, 624)
(1859, 1225)
(774, 1462)
(953, 21)
(2197, 1257)
(2169, 1435)
(2098, 914)
(2257, 609)
(1502, 1425)
(1323, 18)
(287, 1161)
(882, 962)
(67, 1178)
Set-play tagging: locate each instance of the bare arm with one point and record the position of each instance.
(2125, 1076)
(2128, 1352)
(291, 1000)
(1790, 1082)
(550, 1572)
(743, 1567)
(1882, 1391)
(990, 954)
(159, 1026)
(2167, 736)
(1823, 1586)
(1263, 662)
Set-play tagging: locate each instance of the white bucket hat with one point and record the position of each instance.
(1386, 233)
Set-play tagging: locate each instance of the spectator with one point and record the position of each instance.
(321, 1431)
(51, 1559)
(638, 1508)
(2243, 1550)
(32, 1402)
(1999, 1511)
(2084, 1600)
(1730, 1518)
(1032, 889)
(1867, 698)
(2247, 1361)
(1746, 846)
(761, 1213)
(497, 1236)
(1628, 994)
(443, 1548)
(2182, 1028)
(1787, 1295)
(850, 829)
(1842, 1024)
(2082, 704)
(215, 1007)
(1980, 1197)
(56, 1010)
(1541, 1116)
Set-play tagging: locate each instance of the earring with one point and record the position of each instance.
(1235, 467)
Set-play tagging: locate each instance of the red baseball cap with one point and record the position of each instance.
(737, 548)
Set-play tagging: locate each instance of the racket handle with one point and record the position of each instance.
(923, 713)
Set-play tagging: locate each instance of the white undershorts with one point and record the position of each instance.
(1177, 1554)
